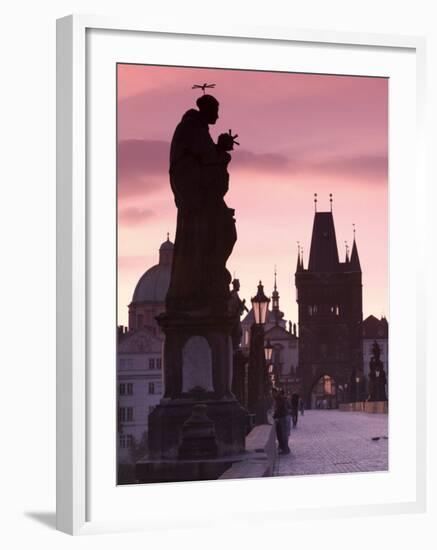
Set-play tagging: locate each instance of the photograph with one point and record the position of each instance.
(252, 274)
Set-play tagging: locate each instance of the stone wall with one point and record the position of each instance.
(261, 455)
(373, 407)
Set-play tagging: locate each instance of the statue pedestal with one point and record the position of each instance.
(197, 372)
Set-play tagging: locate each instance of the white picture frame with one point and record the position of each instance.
(75, 346)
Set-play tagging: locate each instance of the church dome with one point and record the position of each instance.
(154, 283)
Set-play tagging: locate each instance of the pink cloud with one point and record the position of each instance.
(134, 216)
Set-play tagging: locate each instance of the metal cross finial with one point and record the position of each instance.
(330, 200)
(202, 87)
(353, 225)
(168, 236)
(315, 202)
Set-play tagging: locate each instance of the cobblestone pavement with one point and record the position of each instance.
(330, 441)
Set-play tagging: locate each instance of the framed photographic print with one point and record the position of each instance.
(238, 252)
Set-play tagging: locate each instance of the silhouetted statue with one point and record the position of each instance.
(237, 307)
(377, 376)
(205, 232)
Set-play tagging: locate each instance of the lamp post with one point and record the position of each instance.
(268, 351)
(357, 381)
(257, 358)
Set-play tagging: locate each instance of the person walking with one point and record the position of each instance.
(280, 418)
(301, 406)
(294, 408)
(288, 409)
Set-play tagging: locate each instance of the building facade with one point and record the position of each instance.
(139, 379)
(139, 356)
(329, 298)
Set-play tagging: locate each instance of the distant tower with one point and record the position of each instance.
(277, 314)
(329, 297)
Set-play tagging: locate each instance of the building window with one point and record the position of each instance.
(151, 363)
(151, 387)
(158, 363)
(130, 363)
(129, 389)
(126, 441)
(122, 389)
(122, 363)
(126, 414)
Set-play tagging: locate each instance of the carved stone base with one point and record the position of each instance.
(198, 436)
(197, 371)
(166, 422)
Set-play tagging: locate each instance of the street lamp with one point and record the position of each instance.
(259, 305)
(268, 351)
(258, 358)
(357, 380)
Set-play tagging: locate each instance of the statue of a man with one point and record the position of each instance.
(377, 376)
(236, 308)
(205, 232)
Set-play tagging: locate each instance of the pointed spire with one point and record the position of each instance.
(347, 260)
(275, 302)
(355, 260)
(298, 264)
(315, 202)
(323, 255)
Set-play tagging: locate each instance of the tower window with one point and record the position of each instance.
(151, 387)
(151, 363)
(158, 363)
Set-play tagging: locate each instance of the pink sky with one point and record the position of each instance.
(300, 134)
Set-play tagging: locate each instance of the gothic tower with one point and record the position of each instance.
(329, 297)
